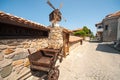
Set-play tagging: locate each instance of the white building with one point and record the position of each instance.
(99, 33)
(118, 32)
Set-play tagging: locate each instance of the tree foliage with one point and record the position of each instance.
(84, 32)
(80, 33)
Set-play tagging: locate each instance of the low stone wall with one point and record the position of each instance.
(17, 50)
(73, 45)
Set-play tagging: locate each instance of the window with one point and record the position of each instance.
(106, 27)
(99, 27)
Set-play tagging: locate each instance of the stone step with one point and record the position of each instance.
(26, 76)
(23, 73)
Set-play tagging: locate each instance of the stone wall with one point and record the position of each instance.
(21, 45)
(17, 51)
(55, 38)
(111, 33)
(73, 45)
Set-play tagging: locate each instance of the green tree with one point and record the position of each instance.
(84, 32)
(87, 30)
(80, 33)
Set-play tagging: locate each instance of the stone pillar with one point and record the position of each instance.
(55, 39)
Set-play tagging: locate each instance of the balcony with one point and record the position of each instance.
(99, 29)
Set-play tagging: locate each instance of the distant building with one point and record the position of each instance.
(117, 43)
(99, 33)
(110, 25)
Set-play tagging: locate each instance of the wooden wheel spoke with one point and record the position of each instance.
(54, 74)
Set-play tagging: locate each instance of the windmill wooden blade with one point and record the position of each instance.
(63, 18)
(48, 2)
(60, 6)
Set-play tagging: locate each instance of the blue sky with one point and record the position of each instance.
(78, 13)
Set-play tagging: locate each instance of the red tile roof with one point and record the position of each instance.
(74, 38)
(10, 19)
(114, 14)
(77, 29)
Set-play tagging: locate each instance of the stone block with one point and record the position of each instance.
(3, 47)
(9, 56)
(5, 42)
(20, 55)
(8, 51)
(24, 43)
(5, 67)
(18, 62)
(11, 47)
(16, 72)
(19, 46)
(12, 76)
(33, 44)
(13, 43)
(26, 46)
(1, 56)
(26, 62)
(1, 78)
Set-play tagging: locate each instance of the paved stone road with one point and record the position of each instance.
(91, 61)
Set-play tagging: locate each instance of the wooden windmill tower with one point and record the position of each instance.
(55, 16)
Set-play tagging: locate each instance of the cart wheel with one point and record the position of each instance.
(54, 74)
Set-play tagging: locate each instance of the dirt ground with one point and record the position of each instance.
(91, 61)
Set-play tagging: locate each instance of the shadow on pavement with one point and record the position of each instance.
(95, 41)
(106, 48)
(39, 74)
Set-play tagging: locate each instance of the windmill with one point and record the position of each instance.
(55, 16)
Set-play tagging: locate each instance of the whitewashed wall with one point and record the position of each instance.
(118, 32)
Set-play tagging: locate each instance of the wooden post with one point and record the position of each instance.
(65, 43)
(29, 52)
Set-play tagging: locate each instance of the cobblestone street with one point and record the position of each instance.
(91, 61)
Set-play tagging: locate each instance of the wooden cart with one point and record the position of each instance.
(45, 60)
